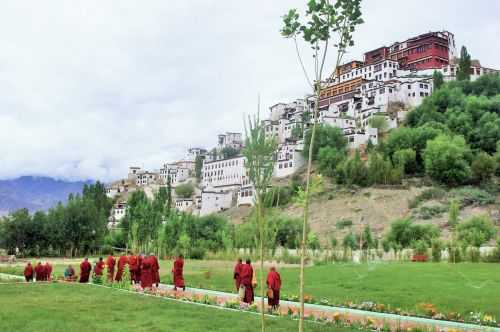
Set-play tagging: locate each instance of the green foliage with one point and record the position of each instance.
(463, 71)
(328, 159)
(426, 195)
(279, 196)
(472, 196)
(326, 136)
(379, 122)
(353, 171)
(453, 214)
(420, 247)
(437, 80)
(381, 170)
(445, 160)
(436, 247)
(429, 212)
(403, 233)
(349, 242)
(313, 241)
(343, 223)
(198, 165)
(476, 231)
(184, 190)
(229, 152)
(406, 159)
(483, 167)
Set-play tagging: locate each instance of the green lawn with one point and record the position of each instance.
(74, 307)
(460, 287)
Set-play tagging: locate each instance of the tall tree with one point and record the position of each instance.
(463, 71)
(323, 24)
(437, 79)
(259, 153)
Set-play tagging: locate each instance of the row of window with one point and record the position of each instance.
(285, 164)
(223, 164)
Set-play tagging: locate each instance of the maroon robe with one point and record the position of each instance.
(122, 261)
(178, 273)
(28, 272)
(237, 275)
(99, 267)
(133, 266)
(85, 269)
(48, 271)
(274, 284)
(155, 267)
(147, 272)
(246, 280)
(39, 272)
(110, 262)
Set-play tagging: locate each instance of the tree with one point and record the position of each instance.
(184, 190)
(229, 152)
(323, 22)
(328, 159)
(406, 159)
(453, 214)
(445, 160)
(476, 231)
(353, 171)
(259, 154)
(403, 233)
(464, 64)
(326, 136)
(437, 80)
(483, 167)
(379, 122)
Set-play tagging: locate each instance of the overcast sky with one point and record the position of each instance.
(88, 88)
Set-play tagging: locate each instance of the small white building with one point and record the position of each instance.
(224, 173)
(476, 70)
(111, 192)
(184, 204)
(358, 137)
(132, 172)
(195, 152)
(146, 178)
(289, 158)
(233, 140)
(119, 210)
(216, 201)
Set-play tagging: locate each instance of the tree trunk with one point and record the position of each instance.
(261, 223)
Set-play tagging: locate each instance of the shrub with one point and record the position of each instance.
(453, 214)
(472, 196)
(349, 242)
(429, 212)
(184, 190)
(352, 171)
(445, 160)
(343, 223)
(328, 159)
(427, 194)
(326, 136)
(406, 159)
(403, 233)
(483, 167)
(420, 247)
(197, 253)
(436, 247)
(313, 241)
(381, 170)
(476, 231)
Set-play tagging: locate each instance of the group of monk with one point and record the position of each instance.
(245, 283)
(41, 272)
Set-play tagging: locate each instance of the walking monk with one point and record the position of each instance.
(85, 269)
(237, 274)
(155, 267)
(122, 261)
(246, 280)
(273, 288)
(178, 273)
(99, 267)
(110, 262)
(39, 272)
(146, 272)
(133, 263)
(28, 272)
(48, 271)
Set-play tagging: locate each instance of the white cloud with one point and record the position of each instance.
(89, 88)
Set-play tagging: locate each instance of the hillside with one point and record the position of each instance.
(35, 193)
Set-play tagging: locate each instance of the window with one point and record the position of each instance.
(421, 94)
(381, 91)
(409, 87)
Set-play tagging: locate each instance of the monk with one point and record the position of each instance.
(28, 272)
(110, 262)
(39, 272)
(155, 268)
(69, 274)
(273, 286)
(147, 272)
(122, 261)
(99, 267)
(139, 269)
(85, 269)
(48, 271)
(246, 280)
(237, 274)
(133, 267)
(177, 272)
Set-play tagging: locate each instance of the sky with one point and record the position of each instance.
(89, 88)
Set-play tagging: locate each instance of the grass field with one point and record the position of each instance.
(462, 288)
(74, 307)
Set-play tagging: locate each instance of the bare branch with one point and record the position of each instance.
(302, 63)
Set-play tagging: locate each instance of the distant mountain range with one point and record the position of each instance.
(35, 193)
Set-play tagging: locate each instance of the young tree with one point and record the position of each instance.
(259, 153)
(324, 25)
(379, 122)
(483, 167)
(437, 79)
(476, 231)
(463, 71)
(198, 165)
(184, 190)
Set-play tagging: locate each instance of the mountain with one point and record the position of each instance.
(35, 193)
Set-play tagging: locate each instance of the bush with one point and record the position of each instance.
(445, 160)
(406, 159)
(420, 247)
(476, 231)
(483, 167)
(326, 136)
(352, 171)
(328, 159)
(381, 170)
(197, 253)
(426, 195)
(436, 247)
(429, 212)
(184, 190)
(349, 242)
(472, 196)
(404, 233)
(343, 223)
